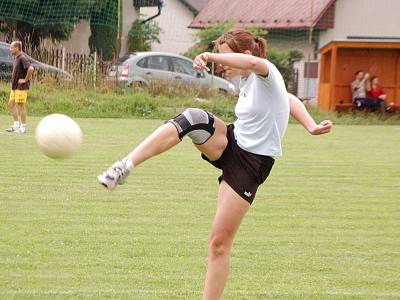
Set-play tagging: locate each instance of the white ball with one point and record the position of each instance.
(58, 136)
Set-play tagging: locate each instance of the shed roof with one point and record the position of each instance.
(383, 43)
(195, 5)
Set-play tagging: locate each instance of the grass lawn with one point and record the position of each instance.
(325, 225)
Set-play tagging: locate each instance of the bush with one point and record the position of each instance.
(207, 37)
(142, 35)
(158, 102)
(284, 62)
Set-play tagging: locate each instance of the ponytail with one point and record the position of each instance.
(240, 41)
(260, 47)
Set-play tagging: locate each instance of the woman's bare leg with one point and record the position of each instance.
(230, 212)
(216, 145)
(161, 140)
(166, 136)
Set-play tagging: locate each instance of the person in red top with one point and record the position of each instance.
(377, 94)
(376, 91)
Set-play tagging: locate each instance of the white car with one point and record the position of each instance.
(141, 68)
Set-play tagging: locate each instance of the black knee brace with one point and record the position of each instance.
(198, 124)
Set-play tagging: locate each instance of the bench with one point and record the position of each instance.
(345, 106)
(341, 106)
(395, 108)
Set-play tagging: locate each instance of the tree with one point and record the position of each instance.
(208, 35)
(282, 60)
(34, 20)
(104, 36)
(142, 35)
(206, 38)
(103, 40)
(31, 34)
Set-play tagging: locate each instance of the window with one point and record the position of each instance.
(142, 63)
(5, 53)
(183, 66)
(124, 58)
(157, 62)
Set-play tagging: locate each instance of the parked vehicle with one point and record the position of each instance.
(141, 68)
(6, 65)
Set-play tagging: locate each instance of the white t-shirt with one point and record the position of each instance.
(262, 113)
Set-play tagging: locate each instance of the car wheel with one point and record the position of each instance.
(138, 86)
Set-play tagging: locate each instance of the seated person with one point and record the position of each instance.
(375, 90)
(359, 88)
(377, 93)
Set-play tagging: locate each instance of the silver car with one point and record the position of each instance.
(141, 68)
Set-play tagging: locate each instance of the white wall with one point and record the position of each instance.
(174, 20)
(129, 15)
(368, 18)
(307, 87)
(79, 41)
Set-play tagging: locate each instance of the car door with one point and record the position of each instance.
(157, 68)
(6, 63)
(184, 72)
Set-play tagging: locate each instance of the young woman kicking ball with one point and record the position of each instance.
(245, 151)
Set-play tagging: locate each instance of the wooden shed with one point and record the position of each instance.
(341, 59)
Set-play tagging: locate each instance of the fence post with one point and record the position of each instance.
(94, 69)
(63, 59)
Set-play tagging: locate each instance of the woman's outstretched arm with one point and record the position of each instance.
(241, 61)
(300, 113)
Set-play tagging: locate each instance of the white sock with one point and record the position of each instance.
(23, 125)
(16, 124)
(128, 164)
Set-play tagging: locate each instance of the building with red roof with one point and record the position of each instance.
(307, 25)
(283, 14)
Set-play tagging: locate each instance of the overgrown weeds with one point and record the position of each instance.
(158, 101)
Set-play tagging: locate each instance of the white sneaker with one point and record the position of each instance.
(13, 129)
(22, 129)
(114, 175)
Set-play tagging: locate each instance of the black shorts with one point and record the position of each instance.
(241, 170)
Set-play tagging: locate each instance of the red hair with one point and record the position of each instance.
(240, 40)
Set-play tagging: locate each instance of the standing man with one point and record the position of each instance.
(22, 73)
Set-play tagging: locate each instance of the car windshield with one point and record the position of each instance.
(124, 58)
(5, 53)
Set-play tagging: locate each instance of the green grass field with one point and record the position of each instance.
(325, 225)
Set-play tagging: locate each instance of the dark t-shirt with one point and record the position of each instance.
(20, 68)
